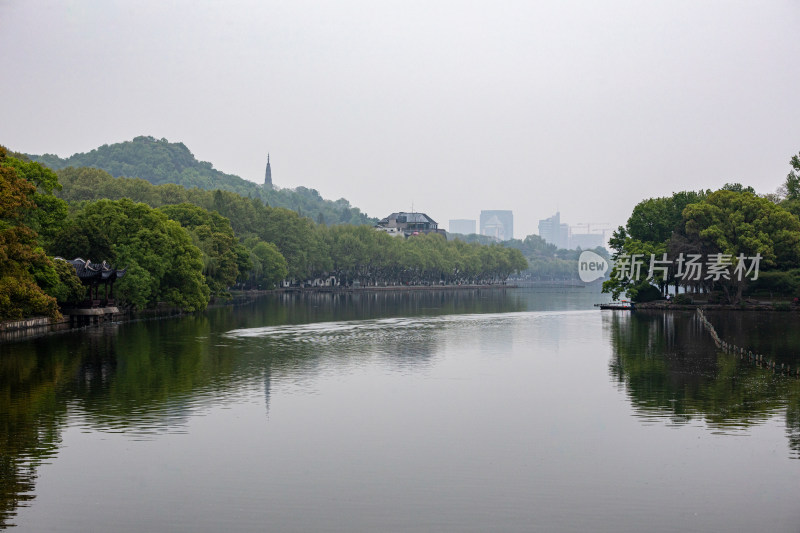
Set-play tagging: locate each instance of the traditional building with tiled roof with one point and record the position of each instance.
(93, 275)
(408, 224)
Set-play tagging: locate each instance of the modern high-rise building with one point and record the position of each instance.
(585, 241)
(463, 226)
(589, 235)
(498, 224)
(554, 232)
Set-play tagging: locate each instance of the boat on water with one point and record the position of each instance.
(622, 305)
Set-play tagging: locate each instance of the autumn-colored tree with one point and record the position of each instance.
(20, 256)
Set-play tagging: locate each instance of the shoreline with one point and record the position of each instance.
(29, 328)
(387, 288)
(662, 305)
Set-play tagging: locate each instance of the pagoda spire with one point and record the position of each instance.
(268, 175)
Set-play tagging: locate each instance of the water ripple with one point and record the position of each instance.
(325, 331)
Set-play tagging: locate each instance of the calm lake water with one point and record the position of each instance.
(505, 410)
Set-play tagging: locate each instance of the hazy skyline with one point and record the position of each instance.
(456, 107)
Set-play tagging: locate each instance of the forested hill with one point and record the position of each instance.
(160, 161)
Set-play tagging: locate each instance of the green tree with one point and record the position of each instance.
(162, 263)
(744, 223)
(212, 233)
(20, 256)
(737, 223)
(295, 238)
(648, 233)
(161, 162)
(793, 179)
(268, 265)
(655, 219)
(50, 211)
(790, 189)
(62, 283)
(738, 187)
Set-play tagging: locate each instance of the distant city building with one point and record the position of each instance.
(408, 224)
(463, 226)
(492, 227)
(583, 236)
(554, 232)
(268, 175)
(586, 241)
(589, 235)
(498, 224)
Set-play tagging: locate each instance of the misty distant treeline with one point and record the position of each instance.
(546, 262)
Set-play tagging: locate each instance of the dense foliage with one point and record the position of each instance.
(180, 246)
(29, 280)
(732, 226)
(224, 259)
(372, 257)
(310, 250)
(159, 162)
(162, 263)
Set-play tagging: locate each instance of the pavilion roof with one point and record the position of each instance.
(88, 272)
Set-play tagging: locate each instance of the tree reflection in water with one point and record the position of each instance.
(146, 378)
(32, 413)
(671, 370)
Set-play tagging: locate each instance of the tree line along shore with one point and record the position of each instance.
(181, 246)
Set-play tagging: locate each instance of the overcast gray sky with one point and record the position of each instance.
(454, 105)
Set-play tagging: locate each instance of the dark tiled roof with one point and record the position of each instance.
(411, 217)
(88, 271)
